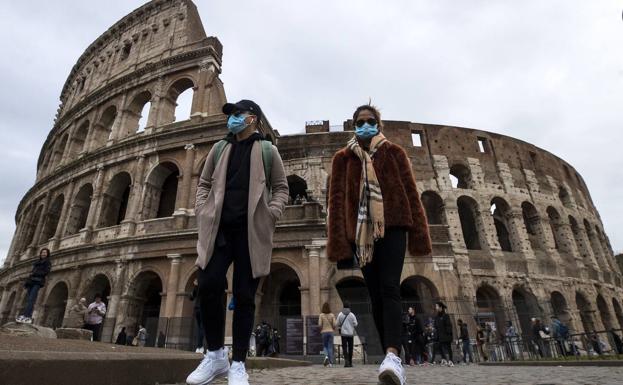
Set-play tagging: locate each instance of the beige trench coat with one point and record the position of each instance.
(264, 207)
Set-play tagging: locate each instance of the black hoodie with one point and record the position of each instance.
(236, 200)
(40, 269)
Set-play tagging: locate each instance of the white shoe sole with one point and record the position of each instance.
(388, 377)
(214, 377)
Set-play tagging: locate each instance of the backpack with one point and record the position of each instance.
(267, 156)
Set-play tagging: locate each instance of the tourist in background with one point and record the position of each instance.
(276, 348)
(122, 337)
(374, 214)
(466, 345)
(430, 339)
(327, 324)
(346, 323)
(95, 316)
(443, 326)
(241, 194)
(141, 335)
(263, 339)
(481, 342)
(194, 296)
(510, 336)
(76, 316)
(35, 281)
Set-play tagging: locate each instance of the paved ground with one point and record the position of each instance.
(473, 374)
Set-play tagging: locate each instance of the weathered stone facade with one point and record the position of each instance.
(514, 229)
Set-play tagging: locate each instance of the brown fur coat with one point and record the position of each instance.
(402, 206)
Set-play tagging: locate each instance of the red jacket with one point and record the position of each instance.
(401, 201)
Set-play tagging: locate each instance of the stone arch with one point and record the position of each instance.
(135, 120)
(52, 218)
(79, 139)
(586, 312)
(604, 312)
(281, 295)
(102, 130)
(144, 304)
(564, 196)
(161, 191)
(169, 102)
(489, 307)
(434, 207)
(55, 303)
(560, 308)
(500, 211)
(461, 176)
(297, 187)
(59, 149)
(31, 226)
(526, 307)
(79, 210)
(188, 282)
(554, 221)
(419, 292)
(577, 236)
(618, 313)
(115, 200)
(471, 225)
(98, 283)
(595, 245)
(532, 222)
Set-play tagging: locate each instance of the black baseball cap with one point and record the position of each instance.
(244, 106)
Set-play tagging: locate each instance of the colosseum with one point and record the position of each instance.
(515, 232)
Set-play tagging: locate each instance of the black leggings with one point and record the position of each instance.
(382, 276)
(231, 246)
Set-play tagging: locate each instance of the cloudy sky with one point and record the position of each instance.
(548, 72)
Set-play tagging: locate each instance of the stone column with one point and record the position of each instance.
(132, 216)
(110, 323)
(313, 259)
(62, 222)
(96, 201)
(187, 175)
(174, 276)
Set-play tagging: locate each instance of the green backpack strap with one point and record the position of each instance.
(219, 147)
(267, 158)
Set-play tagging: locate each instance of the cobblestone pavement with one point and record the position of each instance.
(472, 374)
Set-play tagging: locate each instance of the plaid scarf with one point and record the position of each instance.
(370, 218)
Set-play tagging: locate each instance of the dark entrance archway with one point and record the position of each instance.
(560, 308)
(144, 305)
(420, 293)
(54, 310)
(526, 308)
(489, 307)
(586, 312)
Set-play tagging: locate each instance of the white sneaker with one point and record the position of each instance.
(443, 362)
(214, 365)
(27, 320)
(199, 350)
(237, 374)
(19, 319)
(391, 371)
(450, 363)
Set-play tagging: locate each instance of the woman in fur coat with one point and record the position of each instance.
(375, 214)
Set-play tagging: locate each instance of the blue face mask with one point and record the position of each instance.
(367, 131)
(236, 124)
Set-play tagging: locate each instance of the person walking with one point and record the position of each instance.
(510, 335)
(327, 323)
(194, 296)
(95, 317)
(241, 194)
(346, 323)
(468, 357)
(443, 325)
(35, 281)
(430, 339)
(481, 342)
(374, 213)
(262, 334)
(77, 315)
(122, 337)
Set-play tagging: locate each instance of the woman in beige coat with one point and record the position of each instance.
(326, 322)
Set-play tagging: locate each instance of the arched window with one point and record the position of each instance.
(138, 113)
(178, 103)
(161, 191)
(52, 217)
(577, 236)
(78, 141)
(298, 189)
(31, 226)
(103, 128)
(79, 210)
(532, 222)
(468, 213)
(500, 211)
(59, 149)
(434, 207)
(115, 200)
(604, 312)
(586, 313)
(564, 196)
(460, 176)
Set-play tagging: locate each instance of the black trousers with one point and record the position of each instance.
(382, 276)
(407, 346)
(96, 329)
(231, 247)
(347, 347)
